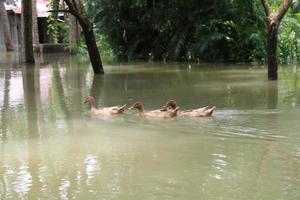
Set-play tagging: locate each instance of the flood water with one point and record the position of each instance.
(51, 148)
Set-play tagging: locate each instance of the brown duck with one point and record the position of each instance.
(200, 112)
(115, 110)
(155, 113)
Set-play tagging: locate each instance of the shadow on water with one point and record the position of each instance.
(60, 95)
(27, 172)
(31, 94)
(4, 110)
(272, 94)
(97, 86)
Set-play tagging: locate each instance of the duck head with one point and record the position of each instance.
(171, 103)
(90, 101)
(137, 105)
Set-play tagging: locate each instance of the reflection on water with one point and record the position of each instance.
(23, 181)
(92, 166)
(52, 149)
(63, 188)
(219, 164)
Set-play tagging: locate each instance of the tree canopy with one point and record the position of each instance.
(206, 30)
(182, 29)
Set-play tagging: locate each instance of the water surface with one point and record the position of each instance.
(51, 148)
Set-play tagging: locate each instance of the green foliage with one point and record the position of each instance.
(105, 49)
(230, 37)
(80, 48)
(219, 30)
(52, 28)
(56, 27)
(289, 36)
(288, 42)
(182, 30)
(63, 31)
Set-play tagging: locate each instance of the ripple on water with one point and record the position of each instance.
(63, 188)
(23, 181)
(43, 173)
(219, 164)
(248, 124)
(92, 167)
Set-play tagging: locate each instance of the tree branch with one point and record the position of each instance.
(283, 9)
(266, 6)
(72, 9)
(70, 5)
(75, 4)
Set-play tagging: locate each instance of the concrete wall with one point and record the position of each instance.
(44, 47)
(15, 29)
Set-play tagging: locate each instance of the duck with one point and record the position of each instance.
(115, 110)
(200, 112)
(155, 113)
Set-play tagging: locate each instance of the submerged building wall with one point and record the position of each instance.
(15, 29)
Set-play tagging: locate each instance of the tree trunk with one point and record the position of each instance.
(74, 31)
(272, 23)
(27, 28)
(94, 54)
(54, 36)
(181, 47)
(5, 26)
(76, 8)
(272, 95)
(272, 52)
(35, 30)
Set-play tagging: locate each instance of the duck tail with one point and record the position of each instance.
(210, 111)
(202, 109)
(121, 108)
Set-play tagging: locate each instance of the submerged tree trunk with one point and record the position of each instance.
(27, 28)
(272, 22)
(35, 30)
(76, 8)
(5, 26)
(94, 54)
(272, 52)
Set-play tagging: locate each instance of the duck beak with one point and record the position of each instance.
(130, 108)
(85, 102)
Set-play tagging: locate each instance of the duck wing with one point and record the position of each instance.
(159, 110)
(198, 109)
(171, 113)
(206, 113)
(159, 113)
(118, 109)
(202, 109)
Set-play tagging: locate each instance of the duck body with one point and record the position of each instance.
(115, 110)
(108, 110)
(154, 113)
(200, 112)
